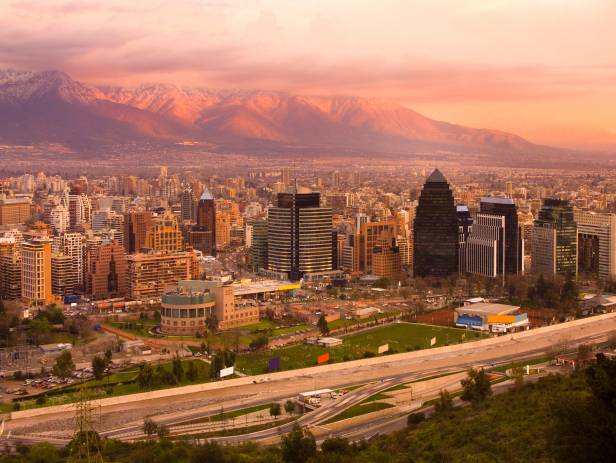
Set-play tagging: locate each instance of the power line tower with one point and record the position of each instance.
(85, 446)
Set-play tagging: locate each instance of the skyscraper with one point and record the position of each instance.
(299, 235)
(554, 248)
(512, 261)
(203, 235)
(435, 230)
(258, 249)
(187, 205)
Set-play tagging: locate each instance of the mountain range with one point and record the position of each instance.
(49, 106)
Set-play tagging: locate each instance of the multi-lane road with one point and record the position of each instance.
(377, 374)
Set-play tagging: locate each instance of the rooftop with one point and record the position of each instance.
(487, 308)
(436, 177)
(497, 200)
(206, 195)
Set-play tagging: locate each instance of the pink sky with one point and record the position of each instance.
(545, 69)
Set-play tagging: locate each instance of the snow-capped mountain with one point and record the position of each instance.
(50, 106)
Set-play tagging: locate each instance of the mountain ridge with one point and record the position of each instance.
(51, 106)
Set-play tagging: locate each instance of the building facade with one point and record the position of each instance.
(596, 243)
(14, 211)
(435, 230)
(299, 236)
(555, 239)
(36, 272)
(203, 235)
(149, 273)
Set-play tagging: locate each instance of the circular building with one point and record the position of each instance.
(185, 313)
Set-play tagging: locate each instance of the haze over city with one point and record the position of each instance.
(307, 231)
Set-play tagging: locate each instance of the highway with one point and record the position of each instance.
(377, 374)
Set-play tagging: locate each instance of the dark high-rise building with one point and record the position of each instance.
(555, 239)
(203, 234)
(258, 250)
(435, 230)
(512, 261)
(299, 235)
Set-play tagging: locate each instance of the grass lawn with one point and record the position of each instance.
(401, 337)
(344, 323)
(231, 339)
(137, 327)
(358, 410)
(120, 383)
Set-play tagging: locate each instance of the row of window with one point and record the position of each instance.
(186, 313)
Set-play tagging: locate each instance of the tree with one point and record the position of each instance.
(216, 365)
(108, 356)
(39, 330)
(382, 283)
(193, 373)
(476, 387)
(322, 325)
(178, 368)
(444, 403)
(414, 419)
(145, 378)
(212, 323)
(98, 367)
(259, 342)
(64, 365)
(338, 445)
(43, 452)
(298, 446)
(275, 410)
(163, 431)
(289, 407)
(149, 427)
(585, 425)
(210, 452)
(54, 314)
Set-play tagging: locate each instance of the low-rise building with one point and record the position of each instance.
(487, 316)
(187, 308)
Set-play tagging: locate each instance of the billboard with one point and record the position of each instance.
(384, 348)
(226, 372)
(324, 358)
(273, 364)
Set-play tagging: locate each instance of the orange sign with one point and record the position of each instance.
(324, 358)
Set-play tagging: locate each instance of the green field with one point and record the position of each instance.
(401, 337)
(344, 323)
(231, 339)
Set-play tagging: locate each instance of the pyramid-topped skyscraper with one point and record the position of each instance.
(435, 230)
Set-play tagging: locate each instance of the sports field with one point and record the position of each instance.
(401, 337)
